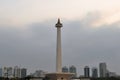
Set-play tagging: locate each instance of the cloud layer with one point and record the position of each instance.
(34, 46)
(27, 11)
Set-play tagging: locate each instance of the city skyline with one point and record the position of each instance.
(90, 34)
(88, 72)
(12, 72)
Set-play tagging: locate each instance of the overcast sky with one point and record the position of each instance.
(90, 33)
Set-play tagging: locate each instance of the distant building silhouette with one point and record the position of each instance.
(72, 69)
(94, 72)
(0, 72)
(16, 72)
(23, 72)
(65, 69)
(86, 71)
(38, 73)
(103, 70)
(112, 74)
(10, 72)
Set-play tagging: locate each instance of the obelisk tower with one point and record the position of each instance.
(59, 75)
(58, 48)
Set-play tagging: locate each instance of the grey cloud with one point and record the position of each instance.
(34, 47)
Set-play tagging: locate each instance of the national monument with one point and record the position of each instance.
(59, 75)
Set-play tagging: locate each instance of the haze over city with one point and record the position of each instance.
(90, 33)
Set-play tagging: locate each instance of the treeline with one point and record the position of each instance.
(3, 78)
(107, 78)
(111, 78)
(26, 78)
(30, 78)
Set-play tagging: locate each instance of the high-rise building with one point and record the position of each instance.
(4, 73)
(10, 72)
(23, 72)
(65, 69)
(1, 72)
(103, 69)
(94, 72)
(86, 71)
(72, 69)
(17, 72)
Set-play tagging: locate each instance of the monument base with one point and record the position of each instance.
(59, 76)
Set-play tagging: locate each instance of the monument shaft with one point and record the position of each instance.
(58, 48)
(59, 52)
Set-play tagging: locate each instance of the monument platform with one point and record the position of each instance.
(59, 76)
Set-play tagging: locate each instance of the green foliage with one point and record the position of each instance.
(111, 78)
